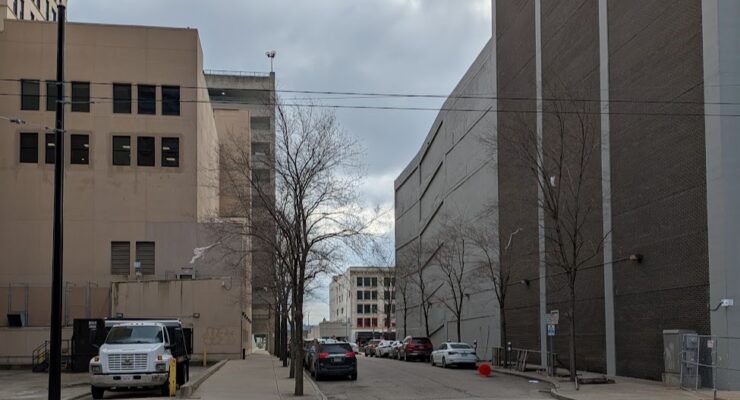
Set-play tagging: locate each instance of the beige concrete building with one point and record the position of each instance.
(31, 10)
(365, 297)
(141, 185)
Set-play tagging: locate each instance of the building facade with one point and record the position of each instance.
(365, 298)
(31, 10)
(661, 82)
(142, 193)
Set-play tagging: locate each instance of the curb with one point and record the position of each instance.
(319, 394)
(78, 396)
(189, 388)
(554, 383)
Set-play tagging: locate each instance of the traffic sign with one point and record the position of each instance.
(553, 317)
(550, 330)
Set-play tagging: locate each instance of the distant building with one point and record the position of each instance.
(365, 297)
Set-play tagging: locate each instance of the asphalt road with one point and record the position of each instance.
(385, 379)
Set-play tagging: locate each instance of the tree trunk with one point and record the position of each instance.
(293, 351)
(459, 322)
(276, 342)
(298, 317)
(572, 333)
(284, 335)
(426, 319)
(405, 314)
(504, 337)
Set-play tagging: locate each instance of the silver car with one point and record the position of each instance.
(454, 353)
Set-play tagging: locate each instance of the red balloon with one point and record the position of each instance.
(484, 370)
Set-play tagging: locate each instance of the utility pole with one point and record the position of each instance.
(55, 336)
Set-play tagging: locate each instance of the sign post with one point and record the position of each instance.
(552, 319)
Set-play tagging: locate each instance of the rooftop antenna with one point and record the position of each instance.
(271, 55)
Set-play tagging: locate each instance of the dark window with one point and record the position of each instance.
(368, 282)
(375, 294)
(359, 309)
(145, 255)
(121, 150)
(386, 282)
(147, 99)
(368, 310)
(54, 15)
(375, 282)
(47, 9)
(145, 151)
(29, 148)
(81, 96)
(359, 295)
(386, 295)
(359, 322)
(375, 308)
(51, 95)
(260, 148)
(29, 94)
(261, 176)
(121, 98)
(375, 322)
(50, 145)
(359, 281)
(33, 17)
(15, 8)
(170, 152)
(120, 258)
(21, 13)
(170, 100)
(260, 123)
(367, 322)
(80, 149)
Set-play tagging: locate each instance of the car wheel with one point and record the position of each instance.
(432, 358)
(97, 392)
(444, 363)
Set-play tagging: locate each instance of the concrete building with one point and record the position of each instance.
(31, 10)
(142, 193)
(664, 85)
(364, 297)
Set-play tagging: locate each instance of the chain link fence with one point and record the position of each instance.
(709, 362)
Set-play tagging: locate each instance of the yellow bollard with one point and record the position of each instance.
(173, 377)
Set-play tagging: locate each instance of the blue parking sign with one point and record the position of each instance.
(550, 330)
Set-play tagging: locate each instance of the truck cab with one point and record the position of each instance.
(137, 354)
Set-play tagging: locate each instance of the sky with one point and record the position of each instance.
(376, 46)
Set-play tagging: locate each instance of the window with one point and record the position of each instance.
(50, 145)
(260, 149)
(386, 295)
(54, 14)
(29, 94)
(375, 322)
(21, 14)
(367, 322)
(359, 281)
(170, 100)
(359, 295)
(386, 322)
(145, 255)
(387, 309)
(359, 309)
(147, 98)
(145, 151)
(375, 294)
(80, 96)
(15, 8)
(120, 258)
(51, 95)
(367, 282)
(170, 152)
(375, 282)
(386, 282)
(47, 9)
(359, 322)
(367, 309)
(29, 148)
(375, 309)
(121, 150)
(80, 149)
(261, 176)
(121, 98)
(259, 123)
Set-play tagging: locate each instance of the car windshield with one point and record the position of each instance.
(338, 348)
(460, 346)
(135, 335)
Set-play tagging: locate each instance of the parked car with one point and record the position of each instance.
(370, 347)
(453, 353)
(394, 349)
(333, 359)
(355, 348)
(415, 347)
(384, 348)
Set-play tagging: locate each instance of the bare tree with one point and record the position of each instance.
(417, 262)
(312, 206)
(563, 164)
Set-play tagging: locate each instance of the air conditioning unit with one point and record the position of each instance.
(185, 273)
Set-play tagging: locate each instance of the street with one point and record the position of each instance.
(380, 378)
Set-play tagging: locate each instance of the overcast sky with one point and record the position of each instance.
(379, 46)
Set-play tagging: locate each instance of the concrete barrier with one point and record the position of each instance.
(189, 388)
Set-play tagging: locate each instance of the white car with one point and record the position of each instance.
(355, 348)
(384, 348)
(453, 353)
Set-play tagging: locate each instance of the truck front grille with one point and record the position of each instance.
(127, 362)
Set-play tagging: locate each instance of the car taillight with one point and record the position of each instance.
(350, 354)
(323, 355)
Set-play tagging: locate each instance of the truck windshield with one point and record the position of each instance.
(135, 334)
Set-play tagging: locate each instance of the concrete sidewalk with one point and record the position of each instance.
(623, 389)
(260, 376)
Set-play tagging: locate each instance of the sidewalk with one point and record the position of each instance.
(260, 376)
(623, 389)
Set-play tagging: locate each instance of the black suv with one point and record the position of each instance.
(332, 359)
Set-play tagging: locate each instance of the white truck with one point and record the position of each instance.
(137, 354)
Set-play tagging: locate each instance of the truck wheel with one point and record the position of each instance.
(97, 392)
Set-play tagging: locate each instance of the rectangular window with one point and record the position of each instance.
(367, 308)
(145, 151)
(367, 282)
(375, 309)
(359, 281)
(375, 323)
(120, 258)
(21, 13)
(80, 147)
(51, 95)
(259, 123)
(145, 256)
(121, 150)
(375, 294)
(367, 322)
(46, 2)
(29, 148)
(170, 100)
(359, 322)
(386, 295)
(15, 8)
(121, 98)
(387, 309)
(147, 99)
(80, 96)
(260, 149)
(29, 94)
(359, 295)
(359, 309)
(375, 282)
(170, 152)
(51, 148)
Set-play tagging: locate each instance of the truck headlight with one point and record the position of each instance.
(161, 367)
(96, 369)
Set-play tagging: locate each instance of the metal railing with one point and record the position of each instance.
(40, 356)
(226, 72)
(519, 359)
(709, 362)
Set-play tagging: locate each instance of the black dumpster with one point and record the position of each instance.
(87, 336)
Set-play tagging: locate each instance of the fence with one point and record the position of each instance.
(521, 359)
(710, 362)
